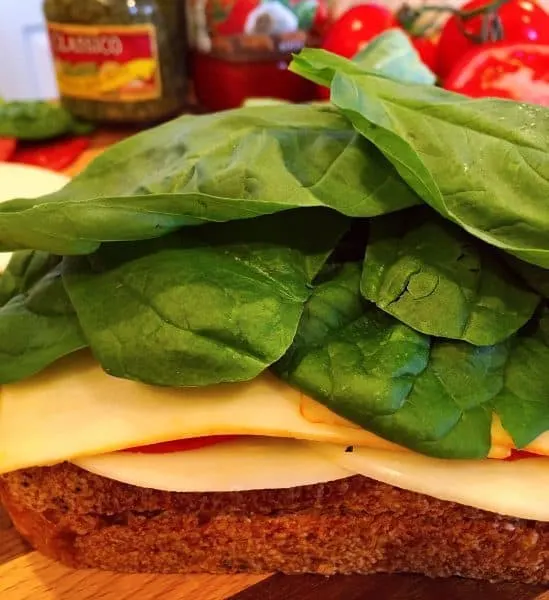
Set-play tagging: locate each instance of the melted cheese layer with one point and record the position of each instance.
(247, 464)
(74, 409)
(517, 489)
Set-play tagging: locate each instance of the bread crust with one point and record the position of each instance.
(355, 525)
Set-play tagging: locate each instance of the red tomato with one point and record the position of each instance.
(522, 21)
(356, 27)
(514, 71)
(353, 30)
(182, 445)
(7, 148)
(56, 155)
(427, 50)
(520, 455)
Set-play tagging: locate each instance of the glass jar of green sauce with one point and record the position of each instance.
(119, 60)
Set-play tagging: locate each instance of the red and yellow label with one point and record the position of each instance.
(110, 63)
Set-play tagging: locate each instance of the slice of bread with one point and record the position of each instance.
(354, 525)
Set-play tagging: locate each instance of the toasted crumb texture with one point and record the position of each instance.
(355, 525)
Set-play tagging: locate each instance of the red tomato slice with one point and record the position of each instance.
(182, 445)
(513, 71)
(56, 155)
(7, 148)
(522, 21)
(520, 455)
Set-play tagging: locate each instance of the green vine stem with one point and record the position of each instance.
(491, 27)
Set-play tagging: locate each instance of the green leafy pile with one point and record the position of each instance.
(387, 253)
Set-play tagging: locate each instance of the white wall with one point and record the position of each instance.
(26, 69)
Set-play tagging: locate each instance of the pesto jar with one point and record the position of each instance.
(119, 61)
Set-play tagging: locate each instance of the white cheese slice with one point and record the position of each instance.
(75, 409)
(518, 488)
(247, 464)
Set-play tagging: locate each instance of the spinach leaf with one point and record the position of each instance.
(463, 157)
(36, 120)
(390, 54)
(433, 276)
(523, 403)
(333, 305)
(24, 269)
(431, 396)
(536, 277)
(212, 304)
(231, 165)
(37, 326)
(480, 163)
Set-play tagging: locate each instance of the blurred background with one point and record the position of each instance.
(143, 61)
(29, 73)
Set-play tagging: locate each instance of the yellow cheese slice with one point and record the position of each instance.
(518, 489)
(75, 409)
(249, 463)
(501, 438)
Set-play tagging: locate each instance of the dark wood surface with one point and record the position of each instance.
(384, 587)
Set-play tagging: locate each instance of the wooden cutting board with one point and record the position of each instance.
(27, 575)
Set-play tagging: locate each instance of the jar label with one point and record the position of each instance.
(248, 30)
(110, 63)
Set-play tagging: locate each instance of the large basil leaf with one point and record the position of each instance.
(230, 165)
(433, 276)
(434, 397)
(523, 403)
(37, 326)
(390, 54)
(204, 305)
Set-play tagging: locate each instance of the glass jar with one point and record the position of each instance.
(119, 60)
(242, 48)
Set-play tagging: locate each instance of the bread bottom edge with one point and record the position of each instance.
(326, 541)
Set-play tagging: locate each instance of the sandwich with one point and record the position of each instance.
(296, 338)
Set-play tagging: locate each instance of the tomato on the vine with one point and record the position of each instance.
(519, 21)
(514, 71)
(353, 30)
(356, 27)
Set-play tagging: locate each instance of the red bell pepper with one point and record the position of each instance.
(56, 155)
